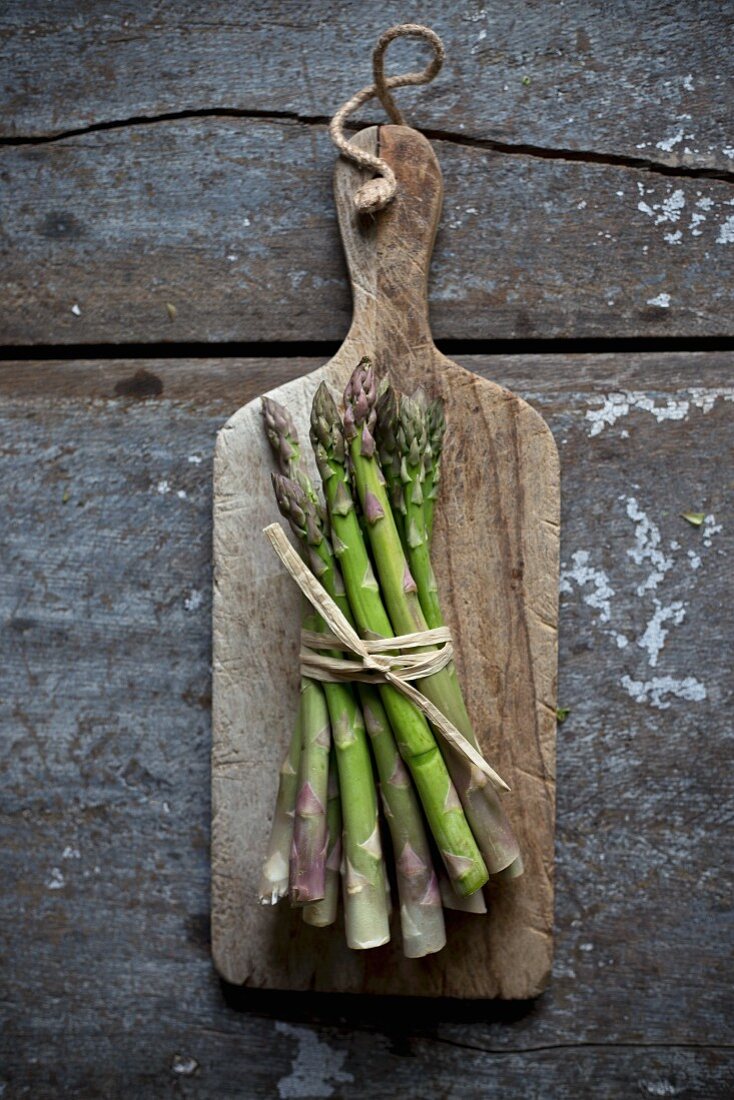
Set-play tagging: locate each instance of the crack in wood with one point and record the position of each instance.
(552, 1047)
(524, 149)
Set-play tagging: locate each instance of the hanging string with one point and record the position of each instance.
(375, 194)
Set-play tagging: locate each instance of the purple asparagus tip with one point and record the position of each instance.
(360, 398)
(281, 432)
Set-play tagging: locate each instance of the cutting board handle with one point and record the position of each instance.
(389, 254)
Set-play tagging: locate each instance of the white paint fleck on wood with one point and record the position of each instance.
(656, 690)
(316, 1067)
(653, 639)
(615, 406)
(585, 575)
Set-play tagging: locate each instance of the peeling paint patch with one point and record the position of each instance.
(662, 300)
(655, 691)
(183, 1065)
(615, 406)
(314, 1067)
(653, 639)
(661, 1087)
(583, 574)
(726, 232)
(669, 210)
(194, 600)
(669, 143)
(647, 547)
(710, 528)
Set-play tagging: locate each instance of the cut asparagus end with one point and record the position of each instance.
(274, 879)
(366, 920)
(474, 903)
(514, 870)
(421, 915)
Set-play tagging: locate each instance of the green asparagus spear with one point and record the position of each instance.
(419, 436)
(386, 437)
(421, 917)
(416, 742)
(274, 879)
(412, 438)
(308, 852)
(436, 429)
(366, 916)
(481, 803)
(322, 913)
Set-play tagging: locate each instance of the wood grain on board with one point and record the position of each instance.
(496, 556)
(108, 984)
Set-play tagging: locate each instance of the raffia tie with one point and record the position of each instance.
(375, 661)
(375, 194)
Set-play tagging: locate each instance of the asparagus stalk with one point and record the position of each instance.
(412, 439)
(481, 803)
(418, 428)
(386, 437)
(274, 878)
(421, 918)
(322, 913)
(366, 916)
(436, 429)
(416, 742)
(308, 851)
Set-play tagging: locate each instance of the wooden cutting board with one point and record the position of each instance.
(496, 557)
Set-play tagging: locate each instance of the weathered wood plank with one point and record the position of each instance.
(107, 974)
(646, 80)
(105, 232)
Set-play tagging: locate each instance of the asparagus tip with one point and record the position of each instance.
(280, 430)
(360, 398)
(326, 429)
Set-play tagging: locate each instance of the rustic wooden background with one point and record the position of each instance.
(169, 251)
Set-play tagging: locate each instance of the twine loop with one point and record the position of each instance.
(375, 660)
(375, 194)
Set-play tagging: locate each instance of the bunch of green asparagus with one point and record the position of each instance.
(367, 541)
